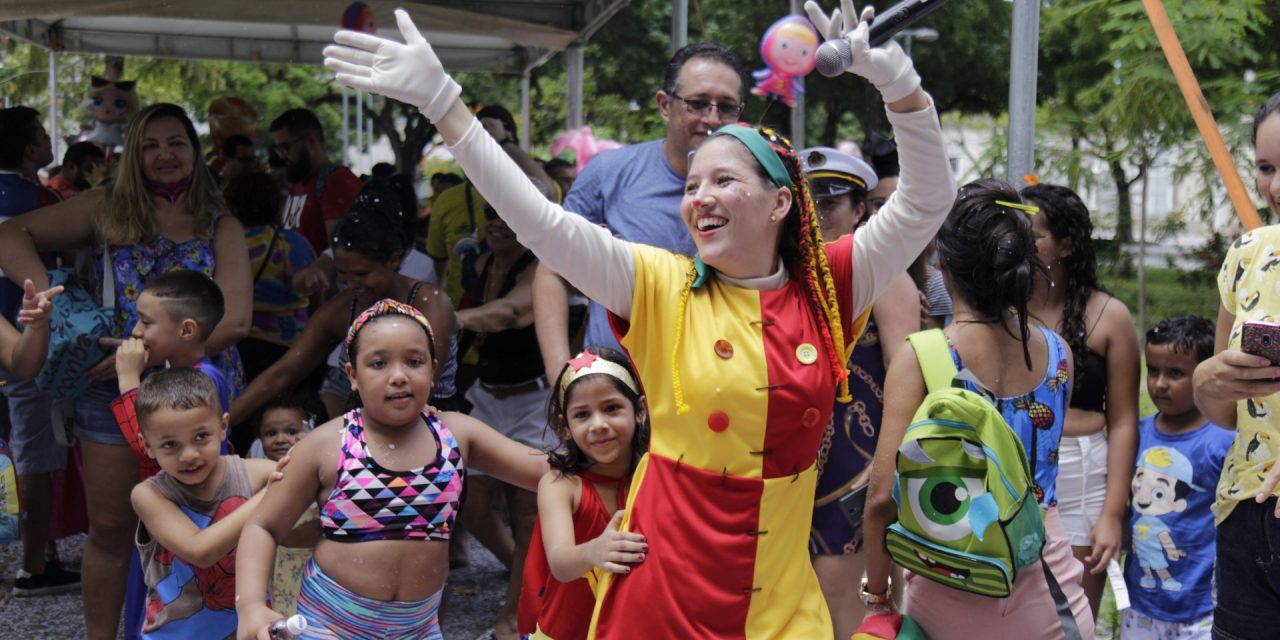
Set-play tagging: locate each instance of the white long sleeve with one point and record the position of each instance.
(603, 267)
(895, 236)
(588, 256)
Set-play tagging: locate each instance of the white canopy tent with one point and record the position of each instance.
(509, 36)
(503, 36)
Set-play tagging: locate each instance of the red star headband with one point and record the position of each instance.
(586, 363)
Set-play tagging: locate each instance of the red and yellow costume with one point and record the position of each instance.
(724, 487)
(725, 495)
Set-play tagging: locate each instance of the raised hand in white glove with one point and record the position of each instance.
(886, 66)
(409, 72)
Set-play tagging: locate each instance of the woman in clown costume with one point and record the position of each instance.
(740, 350)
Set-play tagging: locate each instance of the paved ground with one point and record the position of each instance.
(474, 595)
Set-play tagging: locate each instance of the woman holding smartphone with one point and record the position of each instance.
(1238, 390)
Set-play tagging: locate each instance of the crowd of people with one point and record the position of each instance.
(306, 395)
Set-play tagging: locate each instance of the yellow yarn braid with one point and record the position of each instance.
(681, 407)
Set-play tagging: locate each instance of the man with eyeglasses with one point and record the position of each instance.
(320, 192)
(635, 191)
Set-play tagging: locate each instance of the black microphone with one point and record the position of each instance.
(835, 56)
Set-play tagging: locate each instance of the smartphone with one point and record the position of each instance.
(1261, 339)
(853, 504)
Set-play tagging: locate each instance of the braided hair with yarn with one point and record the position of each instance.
(803, 255)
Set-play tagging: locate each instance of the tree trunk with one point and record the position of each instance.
(1124, 219)
(831, 126)
(417, 132)
(1124, 205)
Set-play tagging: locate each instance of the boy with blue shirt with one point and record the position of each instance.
(1180, 455)
(177, 312)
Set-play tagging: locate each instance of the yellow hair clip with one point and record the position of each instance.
(1030, 209)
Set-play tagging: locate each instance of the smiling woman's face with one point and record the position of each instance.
(167, 155)
(726, 206)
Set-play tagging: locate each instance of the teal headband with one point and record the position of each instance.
(759, 147)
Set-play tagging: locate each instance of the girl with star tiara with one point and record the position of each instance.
(601, 418)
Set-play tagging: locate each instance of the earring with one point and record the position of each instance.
(773, 218)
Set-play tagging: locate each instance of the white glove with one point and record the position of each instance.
(886, 66)
(410, 72)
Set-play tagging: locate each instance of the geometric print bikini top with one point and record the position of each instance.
(370, 502)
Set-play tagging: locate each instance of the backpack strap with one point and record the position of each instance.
(934, 354)
(324, 175)
(1068, 620)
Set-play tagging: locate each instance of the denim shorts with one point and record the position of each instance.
(94, 420)
(35, 447)
(1247, 574)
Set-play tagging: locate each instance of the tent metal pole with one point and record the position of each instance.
(53, 106)
(346, 126)
(573, 63)
(359, 127)
(524, 111)
(797, 112)
(1023, 61)
(679, 24)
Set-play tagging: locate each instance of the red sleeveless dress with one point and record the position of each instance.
(562, 610)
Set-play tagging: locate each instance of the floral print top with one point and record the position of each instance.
(133, 265)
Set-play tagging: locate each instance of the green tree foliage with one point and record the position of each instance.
(193, 84)
(625, 61)
(1109, 94)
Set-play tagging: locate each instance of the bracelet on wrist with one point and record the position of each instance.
(884, 598)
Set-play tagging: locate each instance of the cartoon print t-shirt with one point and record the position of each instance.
(1248, 287)
(1170, 571)
(183, 600)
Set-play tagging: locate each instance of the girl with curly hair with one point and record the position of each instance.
(1100, 438)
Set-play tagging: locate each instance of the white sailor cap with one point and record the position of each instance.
(832, 172)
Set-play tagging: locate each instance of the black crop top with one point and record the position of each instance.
(512, 356)
(1090, 393)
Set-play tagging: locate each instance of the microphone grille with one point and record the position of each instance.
(833, 57)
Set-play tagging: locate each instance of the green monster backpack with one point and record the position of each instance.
(967, 512)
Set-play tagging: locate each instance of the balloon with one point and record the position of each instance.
(108, 104)
(358, 17)
(582, 142)
(789, 49)
(231, 116)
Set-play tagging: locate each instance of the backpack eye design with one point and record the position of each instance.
(949, 502)
(941, 504)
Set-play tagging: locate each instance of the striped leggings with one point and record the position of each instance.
(334, 612)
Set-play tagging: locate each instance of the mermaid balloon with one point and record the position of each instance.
(789, 48)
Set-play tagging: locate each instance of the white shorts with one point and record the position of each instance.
(1082, 485)
(1138, 626)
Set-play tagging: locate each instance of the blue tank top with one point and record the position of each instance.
(1037, 416)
